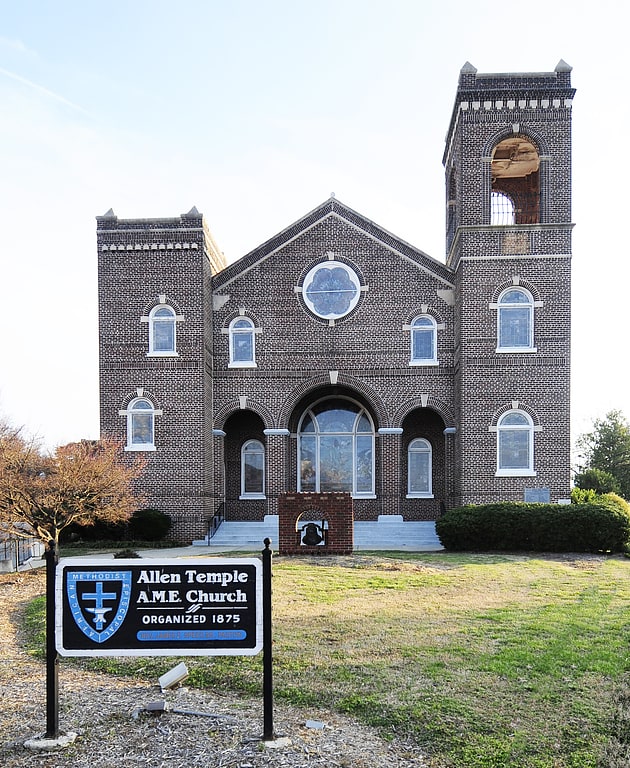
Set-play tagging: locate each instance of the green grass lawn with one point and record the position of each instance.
(486, 661)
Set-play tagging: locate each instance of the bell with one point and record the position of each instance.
(312, 535)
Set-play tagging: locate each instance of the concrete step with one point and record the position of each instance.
(389, 532)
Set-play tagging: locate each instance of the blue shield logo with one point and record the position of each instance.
(99, 601)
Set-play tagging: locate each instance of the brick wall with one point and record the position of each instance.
(333, 510)
(488, 109)
(139, 261)
(209, 408)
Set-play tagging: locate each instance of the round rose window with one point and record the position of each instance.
(331, 290)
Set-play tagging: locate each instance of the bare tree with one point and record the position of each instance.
(83, 483)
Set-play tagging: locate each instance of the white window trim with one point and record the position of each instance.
(516, 350)
(150, 320)
(353, 278)
(528, 471)
(354, 493)
(424, 361)
(515, 473)
(256, 495)
(533, 305)
(129, 413)
(231, 333)
(420, 494)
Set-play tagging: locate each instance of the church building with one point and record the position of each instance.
(336, 358)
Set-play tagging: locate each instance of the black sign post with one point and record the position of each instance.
(155, 607)
(268, 734)
(52, 657)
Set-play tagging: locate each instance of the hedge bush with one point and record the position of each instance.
(98, 531)
(148, 525)
(599, 526)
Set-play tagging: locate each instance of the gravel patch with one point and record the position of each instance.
(107, 714)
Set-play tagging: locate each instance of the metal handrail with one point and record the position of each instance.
(216, 520)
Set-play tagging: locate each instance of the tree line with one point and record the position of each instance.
(604, 456)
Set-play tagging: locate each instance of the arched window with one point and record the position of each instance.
(162, 332)
(419, 468)
(515, 321)
(501, 209)
(253, 470)
(140, 415)
(242, 345)
(423, 341)
(336, 449)
(515, 444)
(516, 178)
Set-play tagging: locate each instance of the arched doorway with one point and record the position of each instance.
(245, 467)
(422, 462)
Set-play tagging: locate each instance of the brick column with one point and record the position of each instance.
(449, 465)
(218, 470)
(275, 459)
(390, 487)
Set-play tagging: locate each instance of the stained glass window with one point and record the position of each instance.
(515, 320)
(423, 347)
(331, 290)
(253, 469)
(419, 468)
(140, 425)
(515, 439)
(242, 348)
(162, 330)
(336, 449)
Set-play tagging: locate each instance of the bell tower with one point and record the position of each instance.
(508, 240)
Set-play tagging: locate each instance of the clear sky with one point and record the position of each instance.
(255, 111)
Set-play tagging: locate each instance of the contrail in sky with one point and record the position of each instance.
(41, 89)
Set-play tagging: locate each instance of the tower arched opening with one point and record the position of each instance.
(515, 195)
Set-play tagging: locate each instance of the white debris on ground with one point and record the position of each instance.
(100, 709)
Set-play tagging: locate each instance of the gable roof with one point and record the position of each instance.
(332, 207)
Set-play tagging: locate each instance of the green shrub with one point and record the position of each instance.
(583, 495)
(99, 531)
(599, 526)
(149, 525)
(597, 480)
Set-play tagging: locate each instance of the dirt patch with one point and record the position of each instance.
(102, 710)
